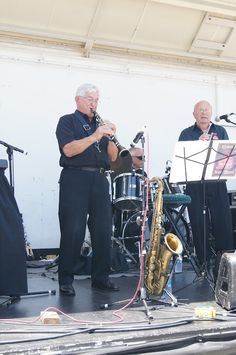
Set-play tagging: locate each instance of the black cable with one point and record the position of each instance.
(154, 346)
(144, 327)
(183, 342)
(40, 339)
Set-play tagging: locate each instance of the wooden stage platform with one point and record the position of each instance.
(93, 322)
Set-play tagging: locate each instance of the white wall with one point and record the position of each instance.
(38, 86)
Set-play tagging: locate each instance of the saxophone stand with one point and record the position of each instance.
(173, 300)
(10, 149)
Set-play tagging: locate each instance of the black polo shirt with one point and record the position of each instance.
(193, 133)
(70, 128)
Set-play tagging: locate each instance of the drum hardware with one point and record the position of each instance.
(133, 237)
(139, 220)
(170, 188)
(175, 200)
(118, 235)
(128, 191)
(174, 225)
(122, 246)
(130, 236)
(129, 225)
(121, 165)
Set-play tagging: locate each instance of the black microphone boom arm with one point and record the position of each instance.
(136, 139)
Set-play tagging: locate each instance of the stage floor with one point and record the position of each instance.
(90, 322)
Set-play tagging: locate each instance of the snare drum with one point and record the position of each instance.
(128, 191)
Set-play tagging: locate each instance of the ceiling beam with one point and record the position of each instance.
(223, 7)
(93, 22)
(209, 43)
(219, 21)
(117, 49)
(88, 48)
(202, 43)
(139, 20)
(92, 26)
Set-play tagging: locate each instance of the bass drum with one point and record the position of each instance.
(128, 191)
(131, 234)
(128, 230)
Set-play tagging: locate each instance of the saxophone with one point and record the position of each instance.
(160, 252)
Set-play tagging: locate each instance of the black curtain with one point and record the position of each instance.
(13, 276)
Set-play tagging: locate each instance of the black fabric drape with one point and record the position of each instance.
(13, 277)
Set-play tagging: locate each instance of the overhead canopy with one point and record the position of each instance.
(198, 32)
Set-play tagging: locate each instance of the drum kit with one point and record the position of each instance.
(128, 195)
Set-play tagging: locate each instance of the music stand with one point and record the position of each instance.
(217, 160)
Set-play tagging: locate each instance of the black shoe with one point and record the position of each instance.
(106, 286)
(67, 290)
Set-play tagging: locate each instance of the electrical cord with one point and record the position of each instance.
(147, 344)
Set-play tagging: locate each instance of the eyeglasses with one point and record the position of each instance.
(90, 99)
(139, 157)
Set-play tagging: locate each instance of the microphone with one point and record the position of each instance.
(136, 139)
(224, 117)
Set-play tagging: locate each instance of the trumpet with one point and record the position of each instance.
(122, 151)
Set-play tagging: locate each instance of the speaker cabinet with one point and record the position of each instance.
(233, 214)
(232, 202)
(225, 291)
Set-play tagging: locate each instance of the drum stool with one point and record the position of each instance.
(175, 201)
(225, 291)
(181, 201)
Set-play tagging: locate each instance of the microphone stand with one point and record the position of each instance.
(229, 121)
(142, 291)
(226, 118)
(10, 150)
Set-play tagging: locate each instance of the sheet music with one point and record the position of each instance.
(189, 158)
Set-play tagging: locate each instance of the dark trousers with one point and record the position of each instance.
(84, 199)
(218, 217)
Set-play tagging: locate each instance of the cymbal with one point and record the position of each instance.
(121, 165)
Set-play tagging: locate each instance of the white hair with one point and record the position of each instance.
(85, 89)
